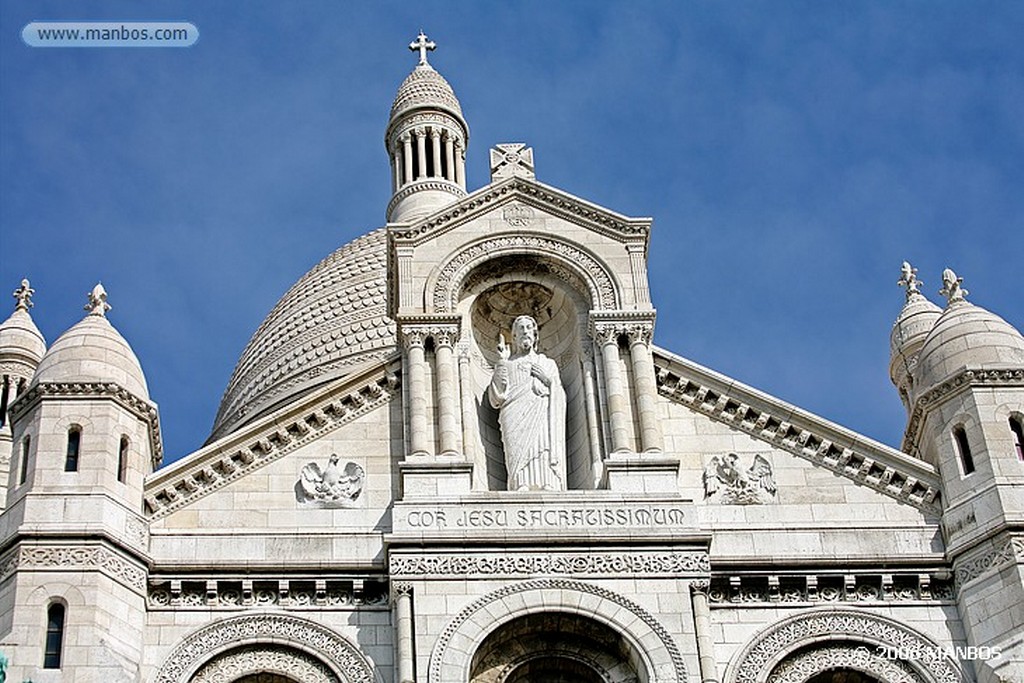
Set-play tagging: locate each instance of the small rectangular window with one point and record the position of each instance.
(122, 460)
(54, 636)
(26, 445)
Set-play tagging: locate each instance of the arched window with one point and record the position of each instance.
(1018, 436)
(74, 444)
(122, 459)
(54, 636)
(963, 449)
(26, 446)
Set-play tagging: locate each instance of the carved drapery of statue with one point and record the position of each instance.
(527, 391)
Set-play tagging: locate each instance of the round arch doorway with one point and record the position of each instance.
(266, 678)
(842, 676)
(555, 647)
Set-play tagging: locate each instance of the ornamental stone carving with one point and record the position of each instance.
(342, 659)
(773, 645)
(335, 486)
(282, 661)
(527, 391)
(729, 483)
(575, 564)
(1007, 553)
(803, 666)
(75, 557)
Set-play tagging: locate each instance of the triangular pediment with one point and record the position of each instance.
(527, 193)
(270, 438)
(788, 428)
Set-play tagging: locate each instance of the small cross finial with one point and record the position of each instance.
(97, 301)
(908, 280)
(952, 287)
(422, 45)
(23, 295)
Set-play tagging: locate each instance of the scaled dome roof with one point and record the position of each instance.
(967, 336)
(425, 87)
(92, 351)
(332, 320)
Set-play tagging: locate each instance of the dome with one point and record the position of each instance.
(909, 332)
(967, 336)
(93, 351)
(331, 321)
(21, 339)
(425, 88)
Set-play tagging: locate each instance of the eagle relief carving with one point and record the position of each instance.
(333, 487)
(728, 483)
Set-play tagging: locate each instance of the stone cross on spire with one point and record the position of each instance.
(97, 301)
(908, 279)
(23, 295)
(422, 45)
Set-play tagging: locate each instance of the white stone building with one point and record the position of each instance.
(350, 518)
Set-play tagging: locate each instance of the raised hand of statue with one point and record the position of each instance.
(503, 349)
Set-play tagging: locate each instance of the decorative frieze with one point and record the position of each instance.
(506, 564)
(785, 433)
(265, 661)
(290, 593)
(75, 558)
(165, 494)
(768, 590)
(1007, 552)
(807, 664)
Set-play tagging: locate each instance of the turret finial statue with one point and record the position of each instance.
(952, 287)
(23, 295)
(97, 301)
(908, 280)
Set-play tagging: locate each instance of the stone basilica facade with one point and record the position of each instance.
(451, 454)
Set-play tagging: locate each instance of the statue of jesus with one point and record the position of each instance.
(528, 394)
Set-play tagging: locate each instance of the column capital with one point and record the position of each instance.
(444, 330)
(700, 586)
(405, 137)
(608, 326)
(640, 332)
(413, 337)
(435, 134)
(419, 131)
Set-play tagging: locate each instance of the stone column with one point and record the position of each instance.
(407, 157)
(435, 150)
(449, 157)
(702, 628)
(460, 164)
(421, 153)
(406, 665)
(447, 390)
(396, 169)
(466, 396)
(414, 340)
(646, 385)
(593, 418)
(615, 389)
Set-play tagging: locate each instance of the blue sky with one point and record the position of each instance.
(792, 154)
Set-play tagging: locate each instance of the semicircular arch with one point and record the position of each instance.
(823, 627)
(444, 285)
(451, 658)
(204, 645)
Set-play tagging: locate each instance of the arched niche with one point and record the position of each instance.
(490, 298)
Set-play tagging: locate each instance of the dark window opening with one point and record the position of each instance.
(54, 636)
(74, 444)
(1018, 436)
(26, 445)
(122, 460)
(964, 450)
(430, 156)
(4, 393)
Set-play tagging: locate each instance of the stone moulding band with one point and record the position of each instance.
(995, 558)
(772, 646)
(456, 644)
(203, 646)
(504, 564)
(75, 558)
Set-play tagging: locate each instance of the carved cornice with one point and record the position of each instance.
(563, 563)
(267, 440)
(293, 592)
(539, 196)
(671, 670)
(771, 646)
(952, 386)
(421, 186)
(140, 408)
(798, 434)
(342, 657)
(992, 558)
(865, 588)
(75, 558)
